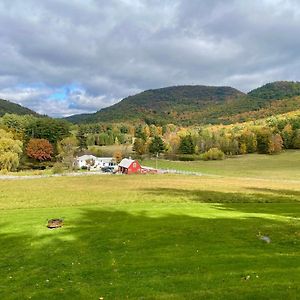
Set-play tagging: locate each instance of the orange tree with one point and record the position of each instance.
(39, 149)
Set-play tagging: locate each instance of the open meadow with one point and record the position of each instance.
(156, 236)
(281, 166)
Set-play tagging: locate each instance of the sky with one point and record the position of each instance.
(62, 57)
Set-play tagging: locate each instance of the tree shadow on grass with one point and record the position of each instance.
(294, 195)
(261, 201)
(207, 196)
(118, 255)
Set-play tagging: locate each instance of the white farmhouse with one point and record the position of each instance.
(92, 162)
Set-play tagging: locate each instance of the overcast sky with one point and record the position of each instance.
(62, 57)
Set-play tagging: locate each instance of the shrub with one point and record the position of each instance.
(189, 157)
(58, 168)
(95, 150)
(213, 154)
(4, 171)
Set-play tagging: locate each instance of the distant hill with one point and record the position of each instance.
(162, 105)
(188, 105)
(13, 108)
(277, 90)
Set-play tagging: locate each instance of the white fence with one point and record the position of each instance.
(172, 171)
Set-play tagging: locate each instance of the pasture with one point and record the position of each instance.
(279, 166)
(154, 236)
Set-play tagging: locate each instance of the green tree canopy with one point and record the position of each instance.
(187, 145)
(52, 130)
(10, 151)
(157, 145)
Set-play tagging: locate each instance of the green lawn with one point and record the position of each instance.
(151, 237)
(282, 166)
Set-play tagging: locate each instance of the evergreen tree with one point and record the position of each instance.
(82, 143)
(187, 145)
(157, 145)
(139, 133)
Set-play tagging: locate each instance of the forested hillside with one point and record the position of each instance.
(189, 105)
(277, 90)
(171, 105)
(13, 108)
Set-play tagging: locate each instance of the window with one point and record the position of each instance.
(134, 165)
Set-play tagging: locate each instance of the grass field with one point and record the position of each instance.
(154, 236)
(283, 166)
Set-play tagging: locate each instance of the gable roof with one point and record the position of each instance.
(125, 162)
(85, 157)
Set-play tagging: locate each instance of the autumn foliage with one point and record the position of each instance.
(39, 149)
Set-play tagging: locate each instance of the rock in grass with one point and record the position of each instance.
(264, 238)
(55, 223)
(247, 277)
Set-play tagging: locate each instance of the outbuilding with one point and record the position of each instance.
(129, 166)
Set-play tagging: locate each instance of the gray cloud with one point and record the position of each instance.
(106, 50)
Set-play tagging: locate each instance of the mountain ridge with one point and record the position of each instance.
(8, 107)
(146, 104)
(198, 104)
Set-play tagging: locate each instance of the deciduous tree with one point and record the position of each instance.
(67, 149)
(140, 146)
(39, 149)
(10, 151)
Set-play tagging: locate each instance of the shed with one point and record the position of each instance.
(129, 166)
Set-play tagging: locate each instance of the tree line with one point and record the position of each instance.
(35, 142)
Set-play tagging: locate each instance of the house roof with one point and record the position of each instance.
(125, 162)
(85, 157)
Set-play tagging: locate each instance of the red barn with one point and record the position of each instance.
(129, 166)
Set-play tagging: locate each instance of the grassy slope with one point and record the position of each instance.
(150, 237)
(283, 166)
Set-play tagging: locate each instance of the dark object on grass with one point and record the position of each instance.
(55, 223)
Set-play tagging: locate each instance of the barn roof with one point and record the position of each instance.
(125, 162)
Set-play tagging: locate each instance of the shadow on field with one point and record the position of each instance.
(263, 201)
(286, 193)
(205, 196)
(118, 255)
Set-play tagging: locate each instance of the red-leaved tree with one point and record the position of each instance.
(39, 149)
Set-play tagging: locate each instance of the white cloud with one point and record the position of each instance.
(112, 49)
